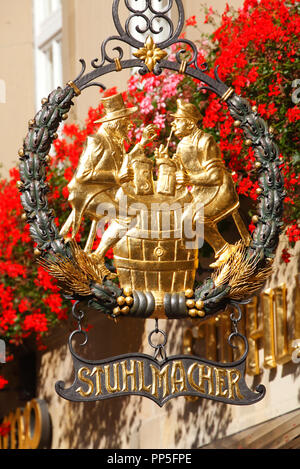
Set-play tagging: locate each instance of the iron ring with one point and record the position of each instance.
(158, 345)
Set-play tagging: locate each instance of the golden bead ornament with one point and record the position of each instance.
(189, 293)
(199, 304)
(121, 300)
(195, 308)
(190, 303)
(125, 302)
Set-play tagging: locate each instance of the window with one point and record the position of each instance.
(158, 5)
(48, 46)
(2, 94)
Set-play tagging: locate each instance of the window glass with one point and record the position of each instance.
(48, 46)
(141, 23)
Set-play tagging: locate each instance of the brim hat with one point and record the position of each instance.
(115, 108)
(187, 111)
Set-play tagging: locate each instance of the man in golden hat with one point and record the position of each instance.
(200, 166)
(103, 166)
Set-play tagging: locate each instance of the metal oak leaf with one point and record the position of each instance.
(150, 53)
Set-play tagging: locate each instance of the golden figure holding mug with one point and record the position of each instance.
(199, 165)
(103, 167)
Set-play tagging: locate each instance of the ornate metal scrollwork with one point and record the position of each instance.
(108, 63)
(212, 295)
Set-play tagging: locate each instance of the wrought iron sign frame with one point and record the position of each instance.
(51, 246)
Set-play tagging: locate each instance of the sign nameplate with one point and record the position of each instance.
(143, 375)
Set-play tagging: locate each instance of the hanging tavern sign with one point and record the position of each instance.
(143, 375)
(157, 223)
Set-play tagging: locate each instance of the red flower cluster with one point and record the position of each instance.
(255, 52)
(285, 256)
(35, 322)
(3, 382)
(191, 21)
(293, 233)
(293, 114)
(208, 15)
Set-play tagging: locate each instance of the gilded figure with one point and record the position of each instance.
(199, 165)
(103, 167)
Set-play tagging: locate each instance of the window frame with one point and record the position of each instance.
(48, 24)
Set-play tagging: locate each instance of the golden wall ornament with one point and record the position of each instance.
(30, 427)
(155, 223)
(265, 325)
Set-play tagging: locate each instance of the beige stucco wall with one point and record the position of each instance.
(17, 72)
(86, 25)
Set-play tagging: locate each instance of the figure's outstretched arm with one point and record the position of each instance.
(148, 135)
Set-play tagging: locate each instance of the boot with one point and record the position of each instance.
(224, 255)
(99, 264)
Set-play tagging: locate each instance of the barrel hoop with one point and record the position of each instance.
(144, 304)
(156, 266)
(174, 304)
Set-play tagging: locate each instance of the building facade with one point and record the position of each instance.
(41, 44)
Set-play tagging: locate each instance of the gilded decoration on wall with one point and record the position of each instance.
(150, 54)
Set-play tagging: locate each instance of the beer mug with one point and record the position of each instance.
(143, 176)
(166, 181)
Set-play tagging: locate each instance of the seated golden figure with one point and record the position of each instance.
(103, 167)
(200, 165)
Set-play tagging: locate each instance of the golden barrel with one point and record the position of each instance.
(154, 255)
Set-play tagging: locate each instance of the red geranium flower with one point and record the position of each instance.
(191, 21)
